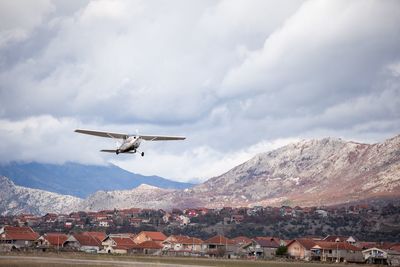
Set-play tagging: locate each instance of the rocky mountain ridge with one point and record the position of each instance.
(315, 172)
(17, 199)
(328, 171)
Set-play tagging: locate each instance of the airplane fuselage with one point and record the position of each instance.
(129, 144)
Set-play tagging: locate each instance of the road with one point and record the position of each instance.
(113, 263)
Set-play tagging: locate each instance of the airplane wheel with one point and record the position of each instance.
(142, 154)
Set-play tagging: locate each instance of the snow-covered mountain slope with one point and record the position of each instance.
(326, 171)
(143, 196)
(308, 173)
(17, 199)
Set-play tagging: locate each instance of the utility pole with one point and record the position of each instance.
(337, 249)
(226, 246)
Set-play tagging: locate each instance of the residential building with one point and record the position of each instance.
(336, 251)
(14, 237)
(339, 238)
(150, 236)
(220, 246)
(241, 240)
(147, 248)
(119, 244)
(181, 245)
(375, 256)
(85, 241)
(262, 247)
(52, 240)
(300, 248)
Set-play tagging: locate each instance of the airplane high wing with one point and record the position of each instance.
(103, 134)
(130, 143)
(161, 137)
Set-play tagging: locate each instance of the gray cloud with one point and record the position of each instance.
(231, 75)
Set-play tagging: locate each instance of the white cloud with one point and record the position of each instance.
(18, 18)
(325, 44)
(45, 139)
(230, 75)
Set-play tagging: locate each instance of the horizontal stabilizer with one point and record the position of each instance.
(109, 150)
(114, 151)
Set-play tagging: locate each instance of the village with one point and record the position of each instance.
(230, 233)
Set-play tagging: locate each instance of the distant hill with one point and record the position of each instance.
(80, 180)
(327, 171)
(18, 199)
(321, 172)
(309, 173)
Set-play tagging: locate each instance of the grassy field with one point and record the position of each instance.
(84, 260)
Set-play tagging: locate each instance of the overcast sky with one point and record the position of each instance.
(236, 77)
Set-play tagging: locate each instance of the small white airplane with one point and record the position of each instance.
(130, 142)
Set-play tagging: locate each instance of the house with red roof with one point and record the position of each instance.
(119, 243)
(262, 247)
(309, 249)
(181, 245)
(148, 248)
(150, 236)
(375, 255)
(85, 241)
(50, 217)
(99, 235)
(220, 246)
(300, 248)
(336, 252)
(129, 213)
(52, 240)
(241, 240)
(382, 256)
(339, 238)
(17, 237)
(28, 220)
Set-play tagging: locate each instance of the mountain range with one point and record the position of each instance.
(18, 199)
(80, 180)
(327, 171)
(310, 173)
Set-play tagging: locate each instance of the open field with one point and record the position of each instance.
(67, 260)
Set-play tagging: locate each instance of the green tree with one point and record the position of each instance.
(281, 251)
